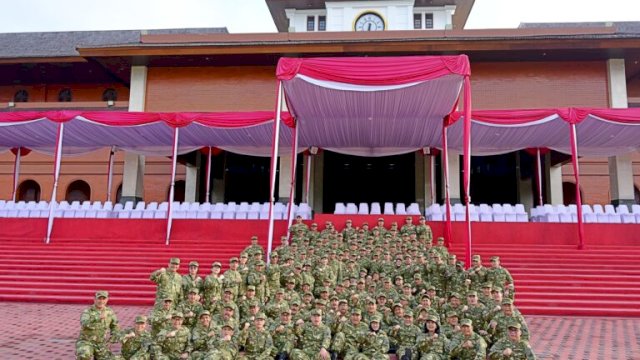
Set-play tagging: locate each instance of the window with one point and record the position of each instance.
(29, 190)
(110, 95)
(417, 21)
(311, 23)
(21, 96)
(322, 23)
(428, 21)
(78, 190)
(65, 95)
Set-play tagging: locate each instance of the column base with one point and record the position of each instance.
(135, 199)
(627, 202)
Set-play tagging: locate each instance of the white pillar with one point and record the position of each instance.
(525, 186)
(191, 184)
(133, 175)
(553, 180)
(454, 177)
(284, 184)
(620, 167)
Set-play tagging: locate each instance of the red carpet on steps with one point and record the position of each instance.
(552, 277)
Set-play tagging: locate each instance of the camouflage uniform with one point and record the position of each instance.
(191, 311)
(478, 350)
(346, 338)
(222, 349)
(212, 288)
(232, 280)
(373, 346)
(520, 349)
(257, 344)
(189, 282)
(503, 321)
(405, 338)
(284, 338)
(499, 276)
(311, 340)
(92, 342)
(138, 346)
(431, 347)
(258, 279)
(201, 336)
(159, 320)
(172, 347)
(169, 284)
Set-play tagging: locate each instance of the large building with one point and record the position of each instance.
(533, 66)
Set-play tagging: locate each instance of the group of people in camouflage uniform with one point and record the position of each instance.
(355, 293)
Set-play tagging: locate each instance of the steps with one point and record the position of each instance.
(560, 280)
(551, 278)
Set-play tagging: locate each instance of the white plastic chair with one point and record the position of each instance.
(363, 209)
(600, 215)
(484, 212)
(305, 211)
(401, 209)
(340, 209)
(413, 209)
(498, 213)
(613, 216)
(351, 209)
(458, 212)
(635, 210)
(375, 209)
(435, 213)
(587, 214)
(625, 216)
(217, 210)
(563, 214)
(388, 209)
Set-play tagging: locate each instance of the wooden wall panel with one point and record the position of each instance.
(242, 88)
(49, 92)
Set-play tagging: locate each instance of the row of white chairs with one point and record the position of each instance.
(375, 209)
(482, 212)
(152, 210)
(596, 214)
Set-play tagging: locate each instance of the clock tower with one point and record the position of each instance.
(368, 15)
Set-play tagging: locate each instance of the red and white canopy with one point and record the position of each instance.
(372, 106)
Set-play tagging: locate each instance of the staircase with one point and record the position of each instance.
(560, 280)
(71, 271)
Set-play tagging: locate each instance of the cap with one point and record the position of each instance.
(254, 237)
(495, 258)
(177, 314)
(261, 315)
(274, 254)
(228, 306)
(259, 263)
(216, 264)
(432, 318)
(141, 319)
(285, 310)
(472, 293)
(194, 291)
(408, 313)
(291, 281)
(514, 325)
(251, 288)
(475, 257)
(507, 302)
(454, 295)
(174, 261)
(487, 285)
(380, 219)
(167, 299)
(356, 311)
(452, 314)
(375, 318)
(316, 312)
(233, 259)
(102, 293)
(496, 289)
(204, 312)
(244, 255)
(227, 324)
(440, 239)
(194, 263)
(466, 322)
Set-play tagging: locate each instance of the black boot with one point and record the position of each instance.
(282, 356)
(334, 355)
(407, 354)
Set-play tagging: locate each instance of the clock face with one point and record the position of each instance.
(369, 22)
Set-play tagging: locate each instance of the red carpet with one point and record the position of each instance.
(552, 277)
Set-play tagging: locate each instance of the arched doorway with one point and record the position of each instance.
(29, 190)
(78, 190)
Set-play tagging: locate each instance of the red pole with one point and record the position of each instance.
(576, 175)
(447, 200)
(467, 168)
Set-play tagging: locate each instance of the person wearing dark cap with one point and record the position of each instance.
(160, 318)
(213, 285)
(432, 344)
(191, 280)
(468, 345)
(314, 338)
(175, 342)
(190, 309)
(136, 341)
(95, 322)
(513, 346)
(169, 283)
(256, 340)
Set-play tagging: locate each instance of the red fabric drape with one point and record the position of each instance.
(374, 71)
(447, 200)
(467, 168)
(181, 119)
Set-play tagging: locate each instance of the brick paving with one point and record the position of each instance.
(48, 331)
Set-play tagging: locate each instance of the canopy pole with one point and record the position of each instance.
(110, 172)
(274, 164)
(467, 167)
(208, 192)
(447, 200)
(307, 179)
(292, 192)
(174, 164)
(539, 176)
(56, 176)
(16, 174)
(576, 174)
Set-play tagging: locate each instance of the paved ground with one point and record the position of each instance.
(48, 331)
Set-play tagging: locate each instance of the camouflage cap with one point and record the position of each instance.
(167, 298)
(487, 285)
(466, 322)
(295, 303)
(433, 318)
(216, 264)
(244, 255)
(204, 312)
(291, 281)
(356, 311)
(375, 318)
(194, 291)
(507, 302)
(285, 310)
(259, 263)
(321, 302)
(408, 313)
(316, 312)
(261, 315)
(233, 260)
(454, 295)
(382, 295)
(475, 257)
(397, 305)
(440, 239)
(514, 325)
(140, 319)
(254, 302)
(175, 261)
(343, 301)
(280, 291)
(452, 314)
(431, 287)
(370, 300)
(251, 288)
(102, 293)
(494, 258)
(497, 289)
(472, 293)
(228, 324)
(254, 237)
(194, 263)
(177, 314)
(228, 305)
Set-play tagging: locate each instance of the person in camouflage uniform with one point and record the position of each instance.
(213, 285)
(499, 324)
(451, 328)
(232, 278)
(190, 309)
(512, 347)
(191, 280)
(273, 273)
(254, 248)
(347, 333)
(258, 279)
(476, 274)
(169, 283)
(160, 318)
(223, 347)
(256, 340)
(431, 344)
(405, 337)
(468, 345)
(500, 277)
(373, 344)
(95, 323)
(201, 335)
(474, 310)
(136, 342)
(314, 339)
(174, 343)
(284, 338)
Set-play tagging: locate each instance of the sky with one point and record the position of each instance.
(247, 16)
